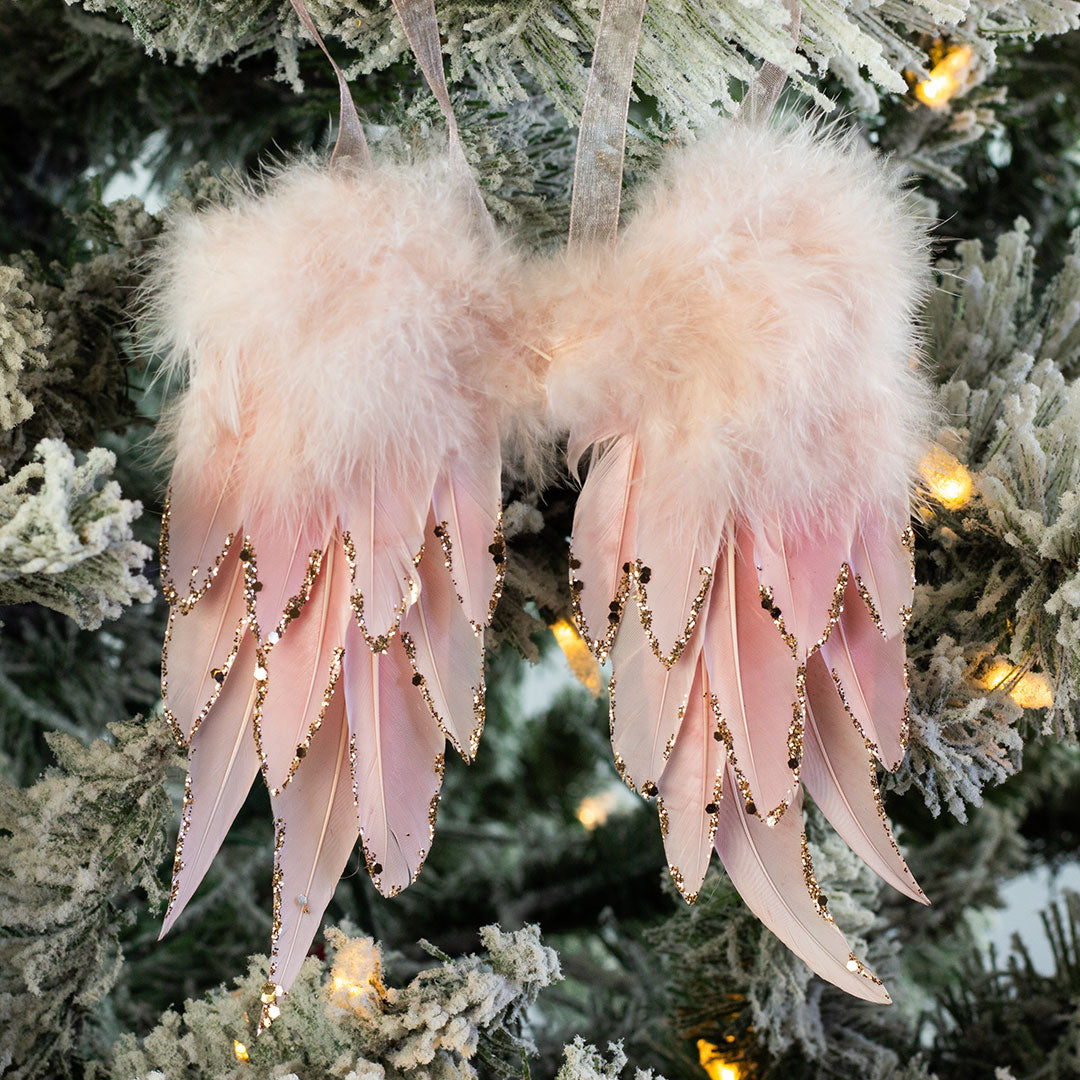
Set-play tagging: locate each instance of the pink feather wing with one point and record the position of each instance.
(468, 501)
(199, 642)
(677, 561)
(302, 669)
(765, 864)
(871, 675)
(646, 701)
(446, 652)
(804, 572)
(385, 523)
(199, 520)
(754, 679)
(882, 561)
(840, 773)
(222, 766)
(317, 832)
(603, 537)
(397, 769)
(690, 790)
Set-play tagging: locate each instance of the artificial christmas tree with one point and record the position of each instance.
(974, 104)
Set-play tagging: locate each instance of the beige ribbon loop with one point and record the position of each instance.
(351, 145)
(764, 91)
(421, 26)
(598, 168)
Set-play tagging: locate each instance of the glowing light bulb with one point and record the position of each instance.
(582, 662)
(595, 809)
(711, 1062)
(240, 1050)
(946, 77)
(947, 480)
(1028, 689)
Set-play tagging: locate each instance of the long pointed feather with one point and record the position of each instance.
(805, 574)
(770, 868)
(201, 646)
(398, 763)
(603, 540)
(467, 500)
(870, 673)
(754, 679)
(677, 564)
(200, 522)
(222, 766)
(302, 670)
(385, 523)
(690, 790)
(883, 564)
(317, 832)
(446, 651)
(646, 701)
(287, 562)
(840, 773)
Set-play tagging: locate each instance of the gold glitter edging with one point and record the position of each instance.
(599, 645)
(796, 731)
(181, 836)
(381, 642)
(479, 698)
(497, 550)
(182, 737)
(641, 576)
(195, 591)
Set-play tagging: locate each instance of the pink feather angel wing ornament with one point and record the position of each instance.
(331, 545)
(740, 370)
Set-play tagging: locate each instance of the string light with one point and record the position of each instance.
(356, 977)
(946, 478)
(946, 77)
(240, 1050)
(713, 1064)
(595, 809)
(582, 662)
(1028, 689)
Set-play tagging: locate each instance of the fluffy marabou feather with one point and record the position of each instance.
(336, 320)
(754, 328)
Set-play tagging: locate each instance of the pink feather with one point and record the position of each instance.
(802, 569)
(754, 679)
(883, 564)
(223, 763)
(603, 538)
(467, 501)
(204, 639)
(766, 865)
(384, 518)
(446, 652)
(690, 789)
(840, 773)
(871, 674)
(302, 669)
(283, 558)
(196, 530)
(397, 770)
(317, 832)
(646, 701)
(676, 564)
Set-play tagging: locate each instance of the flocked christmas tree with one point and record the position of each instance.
(544, 936)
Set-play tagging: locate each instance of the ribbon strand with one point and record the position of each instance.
(351, 145)
(764, 91)
(598, 167)
(421, 26)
